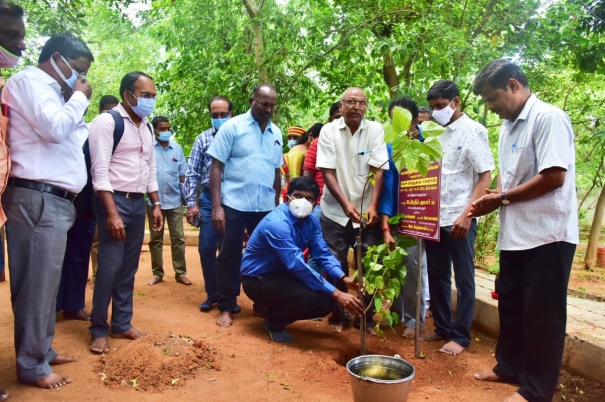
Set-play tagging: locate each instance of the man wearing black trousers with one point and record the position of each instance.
(538, 231)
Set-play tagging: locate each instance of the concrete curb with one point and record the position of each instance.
(585, 335)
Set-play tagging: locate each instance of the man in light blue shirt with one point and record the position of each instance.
(171, 167)
(274, 272)
(245, 183)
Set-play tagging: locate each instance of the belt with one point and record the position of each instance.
(134, 196)
(43, 187)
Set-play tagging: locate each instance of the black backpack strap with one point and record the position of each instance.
(150, 129)
(118, 131)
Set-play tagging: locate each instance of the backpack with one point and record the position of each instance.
(83, 202)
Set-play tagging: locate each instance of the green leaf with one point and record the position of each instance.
(395, 318)
(423, 164)
(395, 219)
(431, 129)
(432, 147)
(395, 286)
(355, 275)
(370, 288)
(388, 294)
(387, 261)
(402, 119)
(379, 282)
(389, 133)
(377, 305)
(376, 267)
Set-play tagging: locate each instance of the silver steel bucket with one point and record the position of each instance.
(367, 389)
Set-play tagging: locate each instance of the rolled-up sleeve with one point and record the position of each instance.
(100, 143)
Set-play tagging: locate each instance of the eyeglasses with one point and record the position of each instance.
(353, 102)
(222, 115)
(265, 105)
(144, 95)
(79, 69)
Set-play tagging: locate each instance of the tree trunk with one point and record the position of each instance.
(389, 72)
(595, 232)
(258, 42)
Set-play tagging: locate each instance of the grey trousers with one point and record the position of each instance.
(36, 233)
(405, 304)
(118, 264)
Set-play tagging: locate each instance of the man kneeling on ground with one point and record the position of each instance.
(275, 275)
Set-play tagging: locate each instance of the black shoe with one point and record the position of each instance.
(281, 336)
(207, 305)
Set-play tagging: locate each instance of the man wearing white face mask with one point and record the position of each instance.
(465, 174)
(275, 275)
(47, 104)
(121, 176)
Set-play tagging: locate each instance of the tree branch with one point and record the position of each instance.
(488, 13)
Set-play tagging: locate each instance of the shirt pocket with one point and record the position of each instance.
(361, 164)
(451, 158)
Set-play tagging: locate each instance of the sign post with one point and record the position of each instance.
(419, 199)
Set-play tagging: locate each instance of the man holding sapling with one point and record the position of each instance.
(465, 175)
(276, 277)
(349, 149)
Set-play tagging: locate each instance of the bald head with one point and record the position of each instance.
(263, 103)
(353, 107)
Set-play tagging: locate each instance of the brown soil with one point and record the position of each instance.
(157, 362)
(252, 368)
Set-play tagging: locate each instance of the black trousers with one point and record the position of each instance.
(229, 260)
(340, 239)
(532, 303)
(283, 298)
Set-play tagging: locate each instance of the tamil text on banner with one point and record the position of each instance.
(419, 202)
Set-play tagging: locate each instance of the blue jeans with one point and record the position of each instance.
(440, 256)
(311, 261)
(208, 246)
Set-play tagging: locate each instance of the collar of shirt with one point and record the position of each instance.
(458, 123)
(529, 104)
(156, 142)
(251, 120)
(125, 115)
(343, 126)
(45, 77)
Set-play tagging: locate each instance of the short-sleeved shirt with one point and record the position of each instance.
(250, 159)
(351, 156)
(309, 164)
(540, 138)
(171, 165)
(466, 153)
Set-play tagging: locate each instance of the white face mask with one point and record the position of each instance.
(444, 115)
(300, 208)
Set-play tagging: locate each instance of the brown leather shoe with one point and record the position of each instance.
(183, 279)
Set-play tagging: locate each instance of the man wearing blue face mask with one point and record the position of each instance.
(274, 272)
(198, 174)
(47, 105)
(171, 166)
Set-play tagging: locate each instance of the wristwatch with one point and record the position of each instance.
(503, 198)
(157, 204)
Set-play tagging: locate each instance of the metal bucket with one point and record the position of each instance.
(395, 388)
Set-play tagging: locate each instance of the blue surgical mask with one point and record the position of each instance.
(71, 81)
(164, 136)
(217, 123)
(292, 143)
(144, 106)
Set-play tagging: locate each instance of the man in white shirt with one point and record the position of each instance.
(348, 149)
(47, 104)
(465, 174)
(538, 231)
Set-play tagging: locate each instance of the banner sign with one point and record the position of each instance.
(419, 203)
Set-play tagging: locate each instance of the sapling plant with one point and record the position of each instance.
(381, 272)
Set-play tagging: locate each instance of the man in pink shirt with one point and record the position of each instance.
(120, 180)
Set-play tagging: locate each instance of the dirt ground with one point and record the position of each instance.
(240, 363)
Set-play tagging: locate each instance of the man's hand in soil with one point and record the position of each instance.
(460, 227)
(349, 302)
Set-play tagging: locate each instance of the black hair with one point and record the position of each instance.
(11, 10)
(313, 131)
(443, 89)
(334, 108)
(157, 120)
(219, 98)
(407, 103)
(108, 100)
(496, 74)
(68, 45)
(258, 88)
(127, 83)
(425, 109)
(303, 183)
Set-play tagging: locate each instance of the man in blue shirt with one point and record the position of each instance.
(275, 275)
(245, 183)
(198, 173)
(171, 167)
